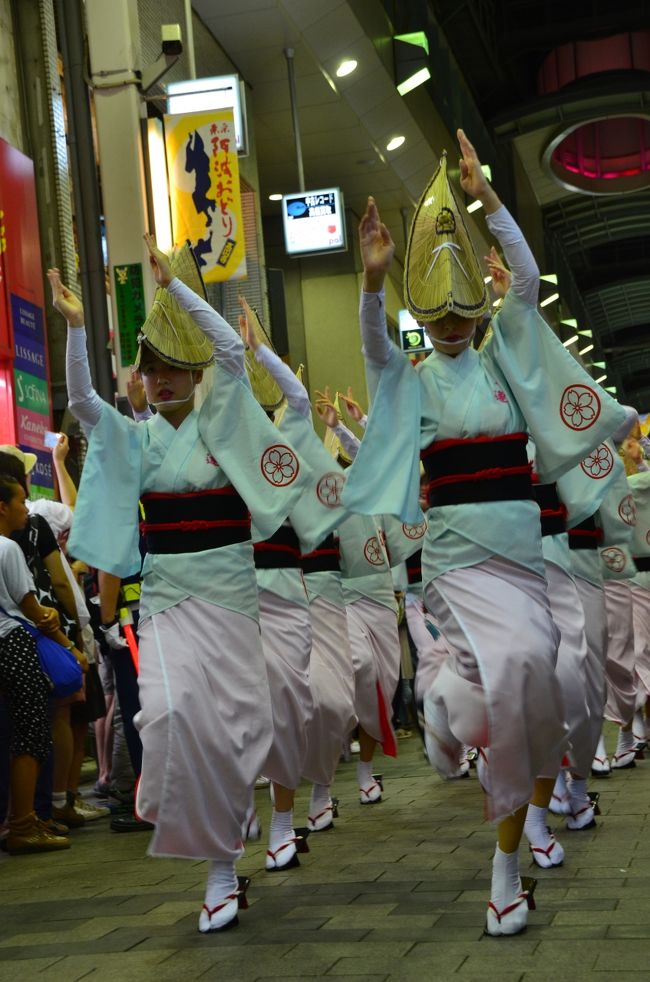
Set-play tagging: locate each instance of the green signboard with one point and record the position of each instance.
(131, 310)
(31, 393)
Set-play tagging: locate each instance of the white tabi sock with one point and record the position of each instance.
(578, 792)
(281, 828)
(625, 742)
(535, 828)
(506, 884)
(364, 773)
(59, 799)
(320, 799)
(221, 882)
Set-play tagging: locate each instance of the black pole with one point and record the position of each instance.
(71, 30)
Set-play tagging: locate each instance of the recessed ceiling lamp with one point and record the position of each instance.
(586, 333)
(487, 279)
(584, 351)
(275, 197)
(551, 278)
(570, 341)
(610, 388)
(346, 67)
(602, 378)
(553, 297)
(475, 205)
(570, 321)
(396, 142)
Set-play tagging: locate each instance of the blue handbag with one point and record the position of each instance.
(57, 663)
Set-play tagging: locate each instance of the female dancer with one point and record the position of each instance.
(330, 665)
(482, 555)
(206, 718)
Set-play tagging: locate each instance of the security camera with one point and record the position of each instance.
(172, 39)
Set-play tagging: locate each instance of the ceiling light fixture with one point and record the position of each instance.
(487, 171)
(569, 321)
(417, 78)
(498, 302)
(602, 378)
(475, 205)
(570, 341)
(275, 197)
(583, 351)
(610, 388)
(553, 297)
(346, 67)
(396, 142)
(411, 54)
(487, 279)
(552, 278)
(586, 333)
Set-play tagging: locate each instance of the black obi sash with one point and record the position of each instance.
(325, 559)
(483, 468)
(194, 521)
(281, 551)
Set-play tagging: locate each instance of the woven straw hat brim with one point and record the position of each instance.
(265, 389)
(442, 273)
(172, 334)
(185, 266)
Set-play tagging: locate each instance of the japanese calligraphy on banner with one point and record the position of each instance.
(203, 173)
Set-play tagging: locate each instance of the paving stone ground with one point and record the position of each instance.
(396, 892)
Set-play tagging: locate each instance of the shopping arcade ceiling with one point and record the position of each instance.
(598, 245)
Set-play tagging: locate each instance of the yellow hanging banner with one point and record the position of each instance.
(204, 190)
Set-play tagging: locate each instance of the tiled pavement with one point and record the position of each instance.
(396, 892)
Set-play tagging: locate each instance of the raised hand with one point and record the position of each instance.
(351, 406)
(135, 392)
(65, 301)
(501, 275)
(248, 325)
(159, 262)
(60, 451)
(326, 408)
(472, 179)
(377, 248)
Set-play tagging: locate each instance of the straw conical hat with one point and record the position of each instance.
(169, 330)
(265, 389)
(442, 272)
(331, 441)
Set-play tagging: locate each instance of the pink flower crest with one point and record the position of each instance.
(598, 463)
(279, 465)
(579, 407)
(500, 395)
(329, 489)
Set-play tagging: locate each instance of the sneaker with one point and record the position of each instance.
(30, 835)
(68, 816)
(87, 810)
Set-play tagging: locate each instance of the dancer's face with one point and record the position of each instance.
(166, 384)
(451, 334)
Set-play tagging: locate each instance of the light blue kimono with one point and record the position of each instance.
(126, 459)
(523, 379)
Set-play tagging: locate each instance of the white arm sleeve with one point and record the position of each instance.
(349, 441)
(293, 389)
(84, 402)
(374, 332)
(143, 416)
(519, 258)
(228, 346)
